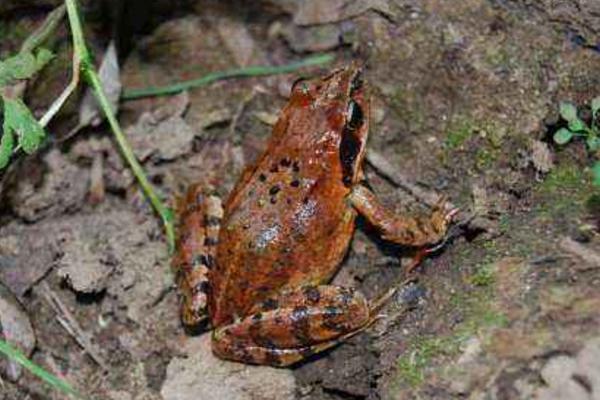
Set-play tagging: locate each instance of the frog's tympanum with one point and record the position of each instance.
(258, 268)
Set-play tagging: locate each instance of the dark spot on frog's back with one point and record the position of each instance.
(312, 294)
(274, 190)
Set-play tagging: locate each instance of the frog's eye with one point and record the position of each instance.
(300, 84)
(354, 115)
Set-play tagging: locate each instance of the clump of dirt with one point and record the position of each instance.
(464, 100)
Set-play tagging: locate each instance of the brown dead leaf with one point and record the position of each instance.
(166, 141)
(239, 42)
(312, 38)
(109, 74)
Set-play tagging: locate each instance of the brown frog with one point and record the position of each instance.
(258, 268)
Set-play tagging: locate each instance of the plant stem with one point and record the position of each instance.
(256, 70)
(89, 73)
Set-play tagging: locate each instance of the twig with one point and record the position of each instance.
(60, 100)
(257, 70)
(70, 324)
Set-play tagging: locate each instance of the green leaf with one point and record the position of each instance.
(43, 57)
(596, 173)
(593, 143)
(595, 106)
(568, 111)
(562, 136)
(18, 118)
(576, 125)
(23, 65)
(7, 143)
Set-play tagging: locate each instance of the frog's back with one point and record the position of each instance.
(286, 223)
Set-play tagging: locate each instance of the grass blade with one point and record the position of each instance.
(17, 356)
(256, 70)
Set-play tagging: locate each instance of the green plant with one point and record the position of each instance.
(17, 356)
(576, 127)
(19, 123)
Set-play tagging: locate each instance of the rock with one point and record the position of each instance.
(313, 38)
(541, 157)
(573, 378)
(348, 369)
(557, 374)
(88, 260)
(203, 376)
(27, 252)
(16, 329)
(313, 12)
(61, 187)
(588, 366)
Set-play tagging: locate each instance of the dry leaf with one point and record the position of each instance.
(109, 74)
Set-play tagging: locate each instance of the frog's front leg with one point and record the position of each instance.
(401, 229)
(199, 215)
(300, 323)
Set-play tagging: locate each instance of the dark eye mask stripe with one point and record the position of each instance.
(351, 144)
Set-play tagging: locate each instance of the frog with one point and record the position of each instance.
(257, 268)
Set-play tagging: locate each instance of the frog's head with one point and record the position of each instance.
(341, 100)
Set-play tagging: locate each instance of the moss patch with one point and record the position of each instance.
(565, 191)
(481, 314)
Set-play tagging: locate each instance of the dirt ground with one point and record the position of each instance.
(464, 103)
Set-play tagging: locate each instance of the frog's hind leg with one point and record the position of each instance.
(200, 214)
(298, 324)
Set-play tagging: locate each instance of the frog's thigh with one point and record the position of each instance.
(199, 219)
(405, 230)
(301, 323)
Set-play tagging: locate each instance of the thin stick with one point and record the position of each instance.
(60, 100)
(70, 324)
